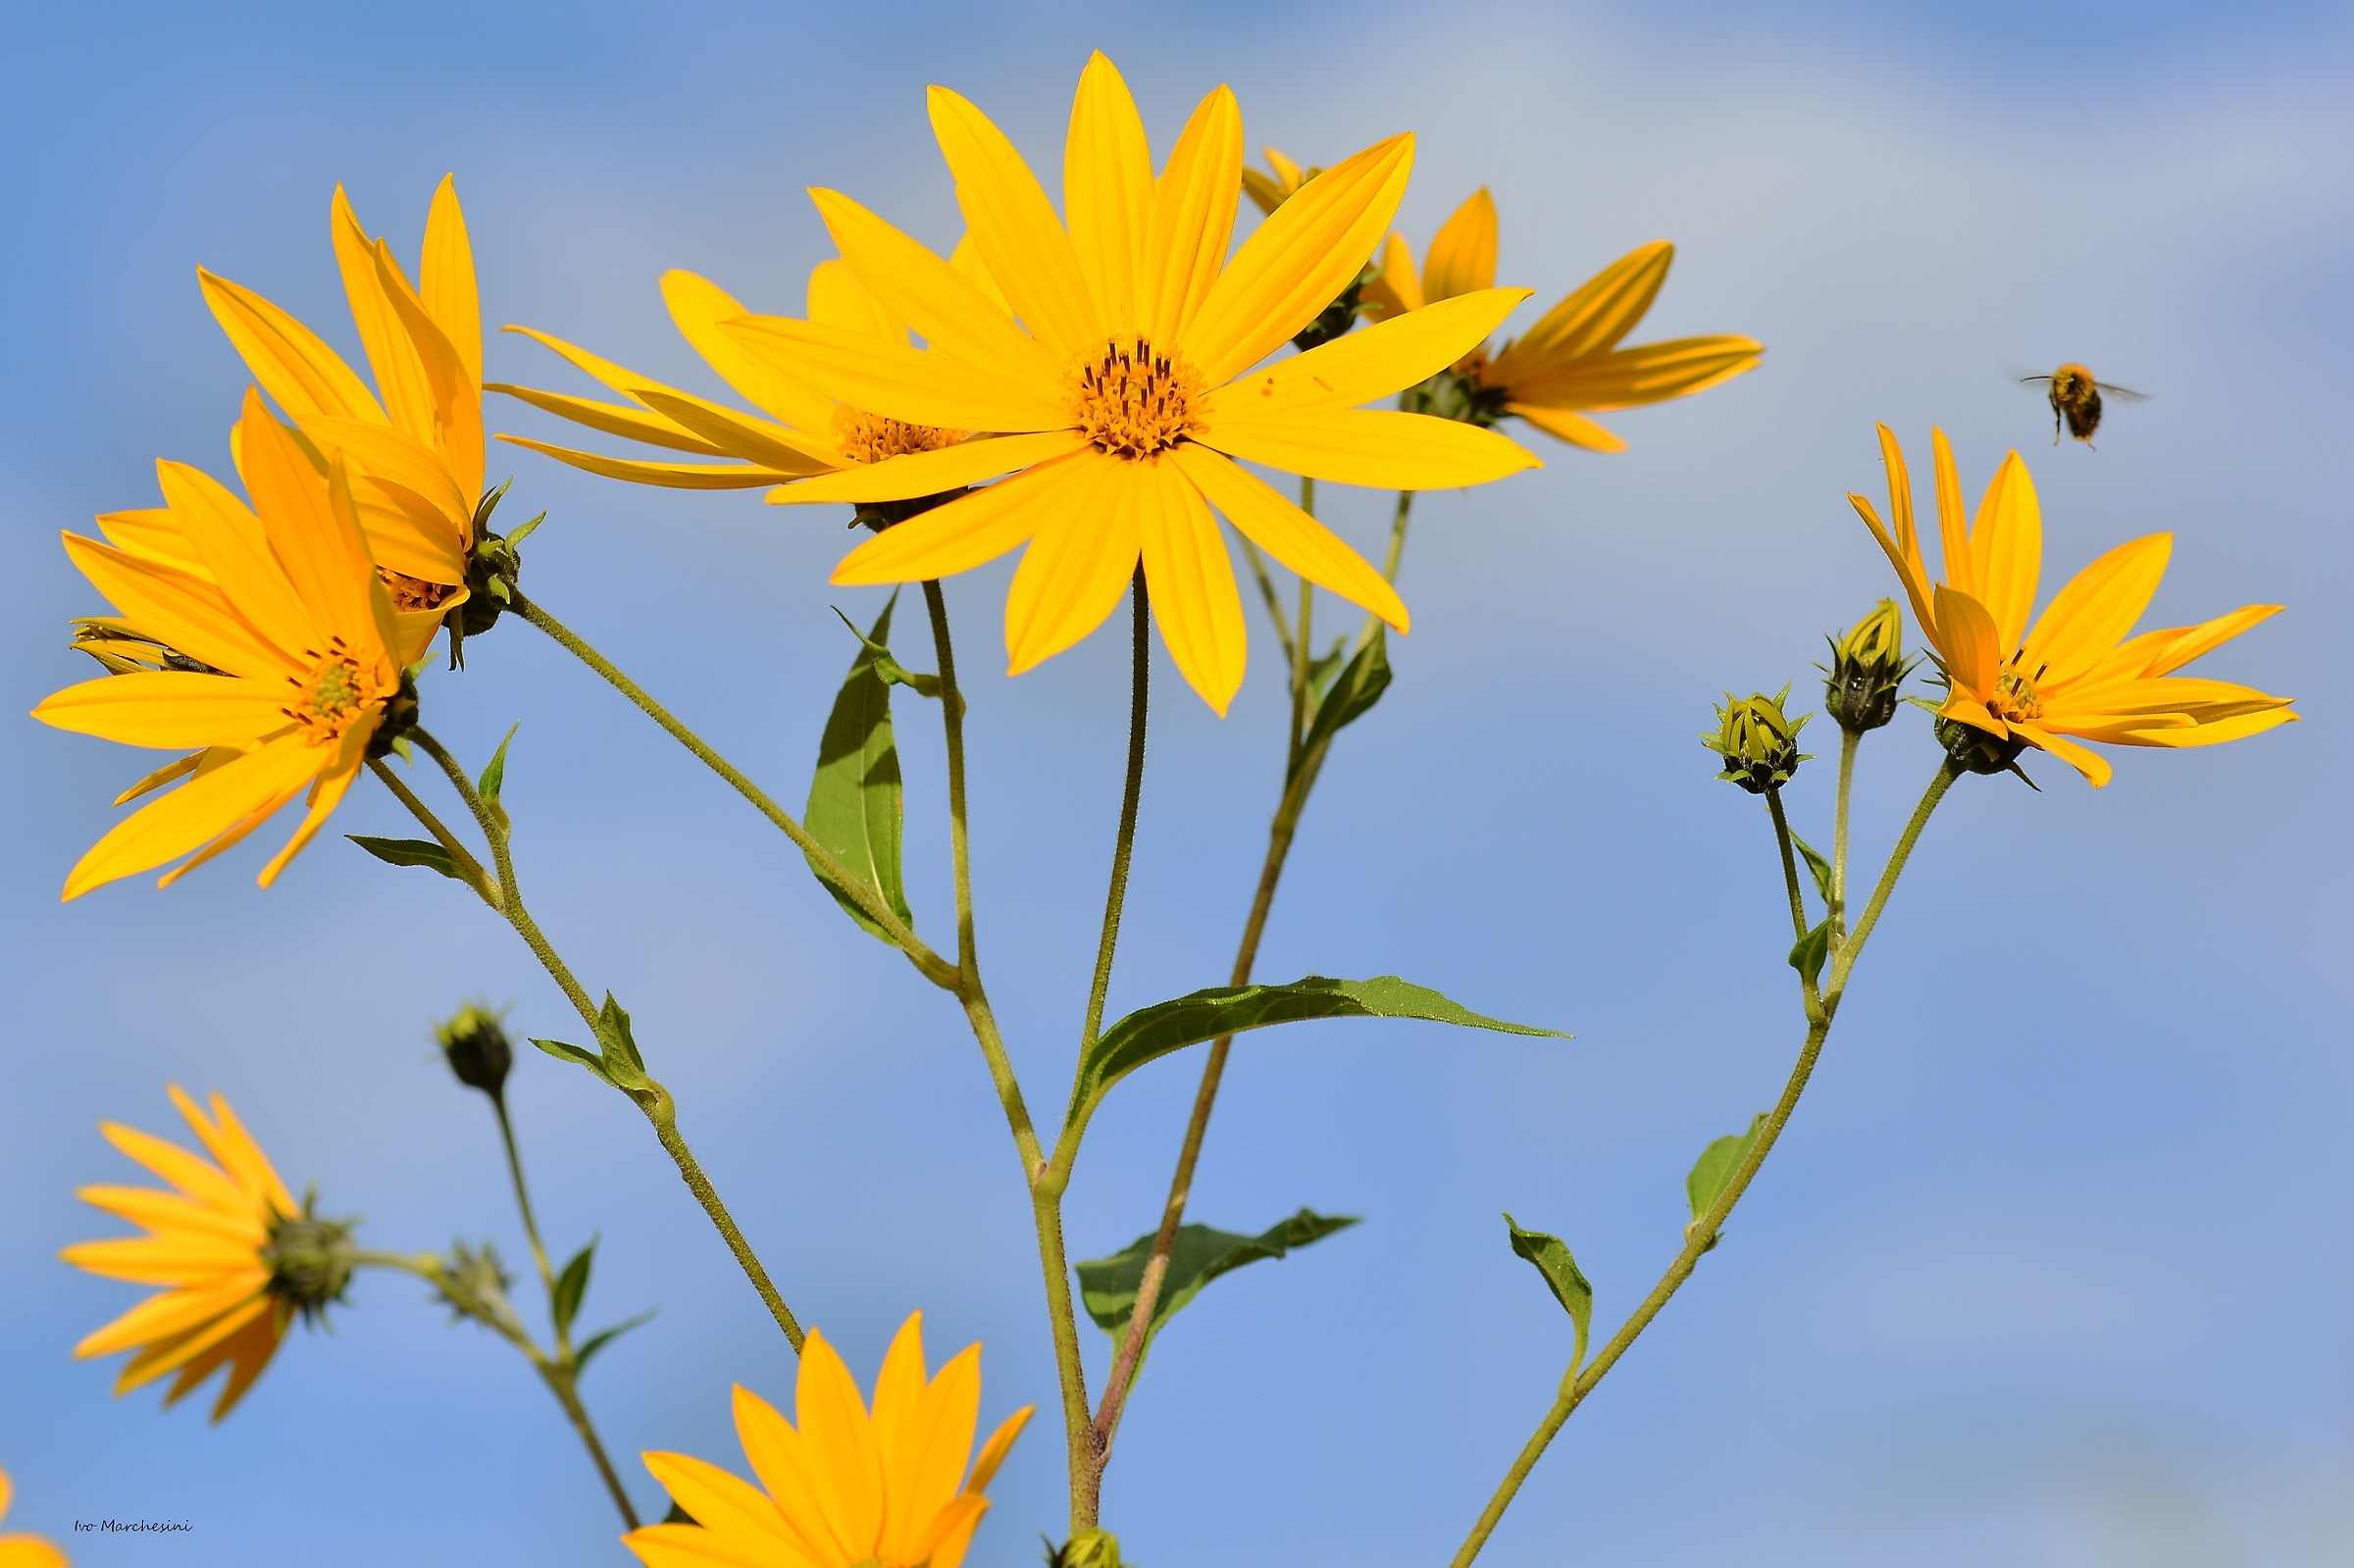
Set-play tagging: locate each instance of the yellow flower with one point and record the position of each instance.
(1569, 363)
(799, 432)
(1271, 190)
(205, 1246)
(2075, 672)
(24, 1551)
(285, 663)
(844, 1489)
(416, 456)
(1123, 395)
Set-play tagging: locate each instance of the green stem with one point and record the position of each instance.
(1079, 1438)
(653, 1100)
(1852, 948)
(561, 1380)
(1848, 742)
(836, 876)
(1798, 898)
(530, 1225)
(951, 720)
(1115, 897)
(476, 876)
(1700, 1235)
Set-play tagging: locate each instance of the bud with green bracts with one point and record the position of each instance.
(310, 1259)
(1759, 745)
(1972, 750)
(1089, 1549)
(476, 1049)
(1867, 666)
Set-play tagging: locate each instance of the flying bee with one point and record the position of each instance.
(2077, 400)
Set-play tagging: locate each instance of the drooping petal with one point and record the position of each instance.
(744, 435)
(1274, 524)
(327, 792)
(178, 608)
(171, 825)
(670, 476)
(923, 386)
(1013, 223)
(1077, 565)
(1195, 602)
(1372, 446)
(1193, 216)
(1297, 262)
(1371, 363)
(2091, 616)
(972, 529)
(1463, 255)
(1575, 428)
(2086, 761)
(919, 473)
(614, 419)
(1107, 194)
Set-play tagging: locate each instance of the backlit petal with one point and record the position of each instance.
(299, 371)
(1013, 223)
(1193, 216)
(1604, 310)
(445, 282)
(2091, 616)
(171, 708)
(1195, 602)
(1077, 566)
(1372, 446)
(1272, 523)
(1369, 363)
(1463, 255)
(1107, 193)
(968, 532)
(401, 378)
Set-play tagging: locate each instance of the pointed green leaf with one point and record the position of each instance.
(1357, 689)
(1552, 1260)
(888, 667)
(1717, 1165)
(1323, 666)
(572, 1287)
(578, 1057)
(622, 1066)
(604, 1336)
(1821, 867)
(1108, 1286)
(410, 852)
(494, 772)
(1150, 1033)
(855, 809)
(1808, 952)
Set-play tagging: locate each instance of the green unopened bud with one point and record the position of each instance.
(310, 1259)
(1867, 666)
(1335, 318)
(477, 1048)
(1759, 745)
(1974, 750)
(474, 1283)
(1089, 1549)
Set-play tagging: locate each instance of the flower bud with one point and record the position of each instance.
(1759, 745)
(310, 1259)
(476, 1049)
(1089, 1549)
(1867, 666)
(1972, 750)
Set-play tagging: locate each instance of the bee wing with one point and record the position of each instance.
(2121, 393)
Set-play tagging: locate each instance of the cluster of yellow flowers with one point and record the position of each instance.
(1089, 388)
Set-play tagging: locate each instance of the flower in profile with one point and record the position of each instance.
(1569, 364)
(24, 1551)
(1867, 669)
(220, 1245)
(798, 430)
(282, 670)
(2075, 674)
(1120, 392)
(843, 1489)
(415, 454)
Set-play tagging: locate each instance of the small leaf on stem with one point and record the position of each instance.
(1107, 1287)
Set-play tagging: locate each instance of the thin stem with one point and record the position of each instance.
(1079, 1438)
(663, 1113)
(523, 1202)
(476, 876)
(1702, 1233)
(1266, 591)
(561, 1380)
(951, 720)
(1853, 947)
(1115, 897)
(1798, 898)
(1848, 742)
(935, 968)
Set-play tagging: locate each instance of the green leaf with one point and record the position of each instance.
(524, 532)
(494, 772)
(889, 668)
(410, 852)
(1152, 1033)
(622, 1066)
(577, 1056)
(1717, 1165)
(604, 1336)
(1356, 689)
(855, 809)
(1552, 1260)
(571, 1286)
(1108, 1286)
(1323, 666)
(1808, 952)
(1821, 867)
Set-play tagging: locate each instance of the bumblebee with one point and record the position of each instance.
(2077, 400)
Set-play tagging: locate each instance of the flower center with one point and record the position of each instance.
(1132, 402)
(2016, 700)
(336, 691)
(415, 593)
(871, 438)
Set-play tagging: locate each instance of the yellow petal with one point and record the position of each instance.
(919, 473)
(26, 1551)
(327, 792)
(1298, 261)
(152, 531)
(926, 1451)
(237, 556)
(2091, 764)
(620, 378)
(696, 307)
(1953, 524)
(247, 1356)
(1372, 362)
(1077, 566)
(1274, 524)
(300, 373)
(951, 312)
(838, 1445)
(2213, 734)
(445, 282)
(178, 608)
(2006, 546)
(838, 299)
(1107, 191)
(952, 1531)
(1908, 569)
(756, 440)
(173, 1312)
(172, 1213)
(235, 1147)
(167, 1260)
(1192, 581)
(1900, 505)
(1372, 446)
(2091, 616)
(1626, 377)
(918, 385)
(1396, 289)
(316, 541)
(780, 1457)
(457, 397)
(1564, 425)
(730, 1509)
(1463, 255)
(614, 419)
(968, 532)
(1000, 1444)
(258, 782)
(1266, 193)
(967, 259)
(1013, 225)
(381, 453)
(2170, 649)
(1604, 310)
(1193, 216)
(670, 476)
(190, 1176)
(171, 708)
(400, 378)
(1966, 637)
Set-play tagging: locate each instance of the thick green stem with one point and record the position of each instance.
(1798, 898)
(871, 903)
(662, 1112)
(1700, 1235)
(1848, 742)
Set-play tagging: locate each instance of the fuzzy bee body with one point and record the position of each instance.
(2075, 399)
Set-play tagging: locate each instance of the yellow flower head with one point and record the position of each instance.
(1278, 186)
(798, 432)
(416, 453)
(281, 665)
(1569, 363)
(842, 1490)
(24, 1551)
(2074, 671)
(1122, 389)
(204, 1246)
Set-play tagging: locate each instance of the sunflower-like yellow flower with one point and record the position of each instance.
(282, 666)
(207, 1246)
(24, 1551)
(2075, 672)
(800, 430)
(1569, 364)
(1282, 182)
(415, 454)
(842, 1489)
(1121, 391)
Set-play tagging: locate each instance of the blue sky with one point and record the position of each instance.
(2050, 1269)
